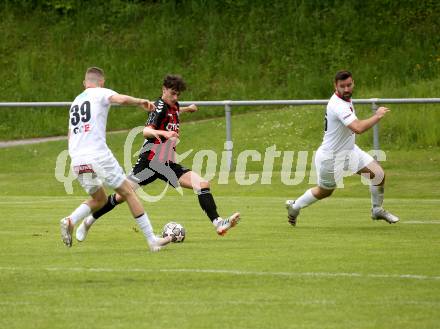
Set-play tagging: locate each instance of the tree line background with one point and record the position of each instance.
(224, 49)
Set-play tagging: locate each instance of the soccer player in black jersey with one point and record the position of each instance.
(156, 160)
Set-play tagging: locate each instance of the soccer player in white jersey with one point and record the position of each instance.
(157, 160)
(338, 152)
(92, 160)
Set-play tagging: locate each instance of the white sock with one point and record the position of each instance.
(79, 213)
(90, 221)
(377, 192)
(147, 229)
(305, 200)
(216, 221)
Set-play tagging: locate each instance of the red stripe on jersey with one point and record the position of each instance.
(171, 151)
(164, 151)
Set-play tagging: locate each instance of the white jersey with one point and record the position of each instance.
(337, 136)
(87, 123)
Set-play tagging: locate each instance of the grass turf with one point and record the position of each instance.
(336, 269)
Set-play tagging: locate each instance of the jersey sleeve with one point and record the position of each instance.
(157, 115)
(106, 94)
(345, 114)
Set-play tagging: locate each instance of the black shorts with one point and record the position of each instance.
(147, 171)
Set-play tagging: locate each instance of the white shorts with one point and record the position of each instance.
(332, 167)
(93, 172)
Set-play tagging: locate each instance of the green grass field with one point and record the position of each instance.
(336, 269)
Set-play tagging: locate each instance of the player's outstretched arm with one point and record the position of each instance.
(360, 126)
(191, 108)
(129, 100)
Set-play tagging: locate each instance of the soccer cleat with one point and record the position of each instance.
(223, 225)
(83, 229)
(292, 213)
(159, 243)
(66, 231)
(382, 214)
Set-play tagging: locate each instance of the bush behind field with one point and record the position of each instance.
(225, 50)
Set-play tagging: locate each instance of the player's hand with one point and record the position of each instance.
(147, 105)
(380, 112)
(170, 134)
(192, 108)
(155, 134)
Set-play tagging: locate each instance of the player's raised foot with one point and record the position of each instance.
(83, 229)
(66, 227)
(159, 243)
(292, 213)
(382, 214)
(223, 225)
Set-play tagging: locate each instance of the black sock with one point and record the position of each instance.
(207, 203)
(111, 203)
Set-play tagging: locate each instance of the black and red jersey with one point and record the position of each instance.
(165, 117)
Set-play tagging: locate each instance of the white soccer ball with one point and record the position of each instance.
(175, 230)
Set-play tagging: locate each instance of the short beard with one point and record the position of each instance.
(346, 97)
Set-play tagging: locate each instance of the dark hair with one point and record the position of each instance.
(342, 75)
(174, 82)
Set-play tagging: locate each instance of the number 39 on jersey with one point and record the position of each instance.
(79, 117)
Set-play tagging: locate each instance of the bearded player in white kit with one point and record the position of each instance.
(92, 160)
(338, 152)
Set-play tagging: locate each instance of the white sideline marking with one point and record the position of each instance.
(233, 272)
(422, 222)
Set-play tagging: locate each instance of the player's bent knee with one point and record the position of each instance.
(383, 178)
(204, 184)
(378, 176)
(327, 194)
(322, 193)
